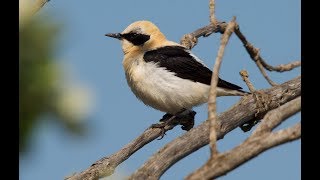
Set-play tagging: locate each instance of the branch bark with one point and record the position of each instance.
(241, 112)
(190, 40)
(261, 140)
(106, 165)
(212, 103)
(245, 77)
(212, 6)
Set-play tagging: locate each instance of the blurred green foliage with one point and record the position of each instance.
(39, 78)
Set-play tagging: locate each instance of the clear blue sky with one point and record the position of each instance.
(117, 117)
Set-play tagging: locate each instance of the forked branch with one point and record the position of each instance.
(261, 140)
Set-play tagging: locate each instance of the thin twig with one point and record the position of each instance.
(212, 106)
(213, 19)
(261, 63)
(245, 77)
(281, 67)
(258, 63)
(262, 139)
(190, 40)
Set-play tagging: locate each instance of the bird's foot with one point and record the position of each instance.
(184, 118)
(167, 120)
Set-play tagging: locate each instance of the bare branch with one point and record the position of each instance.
(258, 63)
(255, 56)
(245, 77)
(191, 40)
(225, 162)
(197, 137)
(274, 117)
(261, 140)
(106, 166)
(213, 19)
(281, 67)
(212, 106)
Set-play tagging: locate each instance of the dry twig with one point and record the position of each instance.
(106, 166)
(191, 40)
(245, 77)
(262, 139)
(213, 19)
(212, 106)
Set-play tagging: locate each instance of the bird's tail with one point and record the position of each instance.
(231, 92)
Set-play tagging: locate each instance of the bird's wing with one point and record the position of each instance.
(178, 59)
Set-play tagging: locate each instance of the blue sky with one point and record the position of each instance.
(117, 116)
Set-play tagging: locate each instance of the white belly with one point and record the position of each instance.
(163, 90)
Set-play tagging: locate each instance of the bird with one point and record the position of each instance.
(164, 74)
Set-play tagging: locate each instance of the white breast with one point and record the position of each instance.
(157, 87)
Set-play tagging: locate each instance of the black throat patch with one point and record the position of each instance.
(136, 38)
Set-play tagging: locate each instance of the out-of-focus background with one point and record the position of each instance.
(75, 106)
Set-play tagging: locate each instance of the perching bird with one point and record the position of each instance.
(163, 74)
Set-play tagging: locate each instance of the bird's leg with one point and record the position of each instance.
(165, 117)
(184, 117)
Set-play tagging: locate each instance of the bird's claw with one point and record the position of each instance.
(161, 126)
(185, 119)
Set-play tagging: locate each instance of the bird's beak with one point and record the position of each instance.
(114, 35)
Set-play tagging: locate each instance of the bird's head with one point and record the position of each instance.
(140, 35)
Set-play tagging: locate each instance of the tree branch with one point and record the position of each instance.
(213, 19)
(191, 40)
(255, 56)
(246, 151)
(261, 140)
(245, 77)
(212, 104)
(241, 112)
(263, 72)
(106, 165)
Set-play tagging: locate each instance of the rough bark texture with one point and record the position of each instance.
(260, 140)
(243, 111)
(191, 141)
(106, 165)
